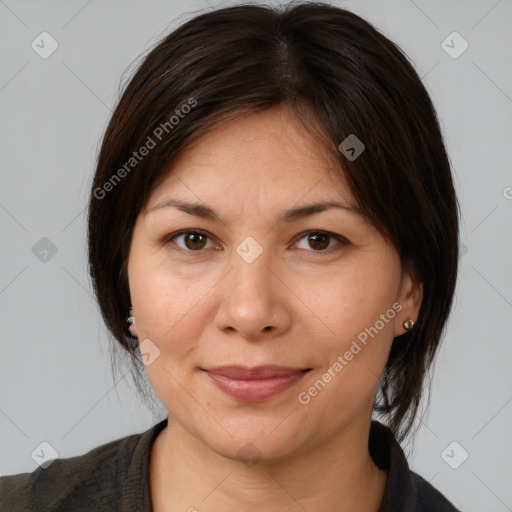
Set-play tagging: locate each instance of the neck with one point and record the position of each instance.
(341, 475)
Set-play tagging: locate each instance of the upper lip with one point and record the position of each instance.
(256, 372)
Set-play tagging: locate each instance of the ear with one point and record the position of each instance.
(133, 330)
(410, 296)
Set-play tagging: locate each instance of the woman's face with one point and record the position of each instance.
(230, 266)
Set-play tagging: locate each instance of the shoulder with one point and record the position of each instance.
(405, 491)
(53, 488)
(88, 482)
(428, 498)
(65, 483)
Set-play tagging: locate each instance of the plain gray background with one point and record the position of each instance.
(56, 380)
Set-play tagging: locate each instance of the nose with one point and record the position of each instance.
(254, 301)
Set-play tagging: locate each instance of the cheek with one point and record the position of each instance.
(358, 310)
(352, 300)
(173, 314)
(357, 306)
(171, 309)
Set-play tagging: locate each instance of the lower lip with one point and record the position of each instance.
(255, 390)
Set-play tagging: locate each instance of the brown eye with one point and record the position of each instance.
(195, 241)
(323, 242)
(318, 241)
(192, 241)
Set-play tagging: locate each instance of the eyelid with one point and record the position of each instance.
(342, 241)
(168, 238)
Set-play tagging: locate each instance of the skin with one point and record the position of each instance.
(297, 304)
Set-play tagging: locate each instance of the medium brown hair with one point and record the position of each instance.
(341, 76)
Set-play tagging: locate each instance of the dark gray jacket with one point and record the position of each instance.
(114, 477)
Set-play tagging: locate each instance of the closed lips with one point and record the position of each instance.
(254, 384)
(255, 373)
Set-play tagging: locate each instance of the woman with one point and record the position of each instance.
(273, 210)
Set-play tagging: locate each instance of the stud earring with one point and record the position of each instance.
(408, 324)
(131, 318)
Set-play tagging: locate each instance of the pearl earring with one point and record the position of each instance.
(131, 318)
(408, 324)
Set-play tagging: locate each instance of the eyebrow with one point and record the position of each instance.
(293, 214)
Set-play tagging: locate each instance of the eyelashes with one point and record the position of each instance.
(197, 237)
(319, 238)
(198, 241)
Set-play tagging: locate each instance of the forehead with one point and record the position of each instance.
(268, 153)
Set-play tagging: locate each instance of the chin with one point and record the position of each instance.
(258, 451)
(254, 440)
